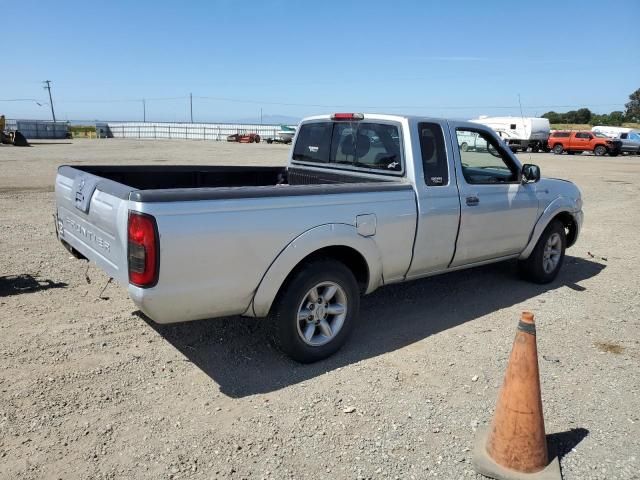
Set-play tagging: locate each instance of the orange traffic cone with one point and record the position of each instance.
(515, 446)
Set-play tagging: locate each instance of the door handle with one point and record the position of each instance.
(472, 201)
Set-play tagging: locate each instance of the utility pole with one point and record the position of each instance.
(191, 105)
(144, 110)
(260, 115)
(48, 87)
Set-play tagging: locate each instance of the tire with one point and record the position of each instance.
(558, 149)
(306, 340)
(599, 150)
(464, 147)
(543, 265)
(269, 141)
(257, 138)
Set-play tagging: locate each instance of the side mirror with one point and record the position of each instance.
(530, 173)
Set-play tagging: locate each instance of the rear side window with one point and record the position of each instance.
(434, 156)
(313, 143)
(583, 135)
(560, 134)
(350, 144)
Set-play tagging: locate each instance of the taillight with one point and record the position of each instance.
(143, 256)
(347, 116)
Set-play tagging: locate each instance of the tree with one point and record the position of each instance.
(632, 113)
(583, 115)
(614, 118)
(553, 117)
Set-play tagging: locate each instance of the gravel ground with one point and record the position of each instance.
(89, 389)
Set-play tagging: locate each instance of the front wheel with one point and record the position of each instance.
(600, 150)
(545, 261)
(315, 311)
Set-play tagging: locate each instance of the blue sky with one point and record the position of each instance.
(295, 58)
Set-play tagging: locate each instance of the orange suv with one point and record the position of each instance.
(578, 142)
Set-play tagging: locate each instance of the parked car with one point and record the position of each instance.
(630, 142)
(583, 141)
(365, 201)
(244, 138)
(278, 139)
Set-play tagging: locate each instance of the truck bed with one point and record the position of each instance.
(171, 183)
(153, 177)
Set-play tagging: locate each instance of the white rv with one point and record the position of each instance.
(519, 133)
(613, 132)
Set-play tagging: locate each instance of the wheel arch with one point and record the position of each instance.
(338, 241)
(561, 209)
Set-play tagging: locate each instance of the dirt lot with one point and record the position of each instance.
(89, 389)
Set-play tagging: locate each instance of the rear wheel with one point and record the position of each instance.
(257, 138)
(558, 149)
(545, 261)
(464, 147)
(600, 150)
(315, 311)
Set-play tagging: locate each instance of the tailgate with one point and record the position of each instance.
(92, 217)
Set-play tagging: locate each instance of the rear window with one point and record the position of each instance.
(313, 143)
(350, 145)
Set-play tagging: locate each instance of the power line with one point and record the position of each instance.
(122, 100)
(22, 100)
(190, 97)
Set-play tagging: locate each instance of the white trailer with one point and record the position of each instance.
(613, 132)
(519, 133)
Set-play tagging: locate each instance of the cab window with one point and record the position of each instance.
(434, 156)
(484, 160)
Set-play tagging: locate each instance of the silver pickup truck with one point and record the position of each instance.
(365, 201)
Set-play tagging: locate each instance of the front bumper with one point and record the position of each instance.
(579, 219)
(615, 148)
